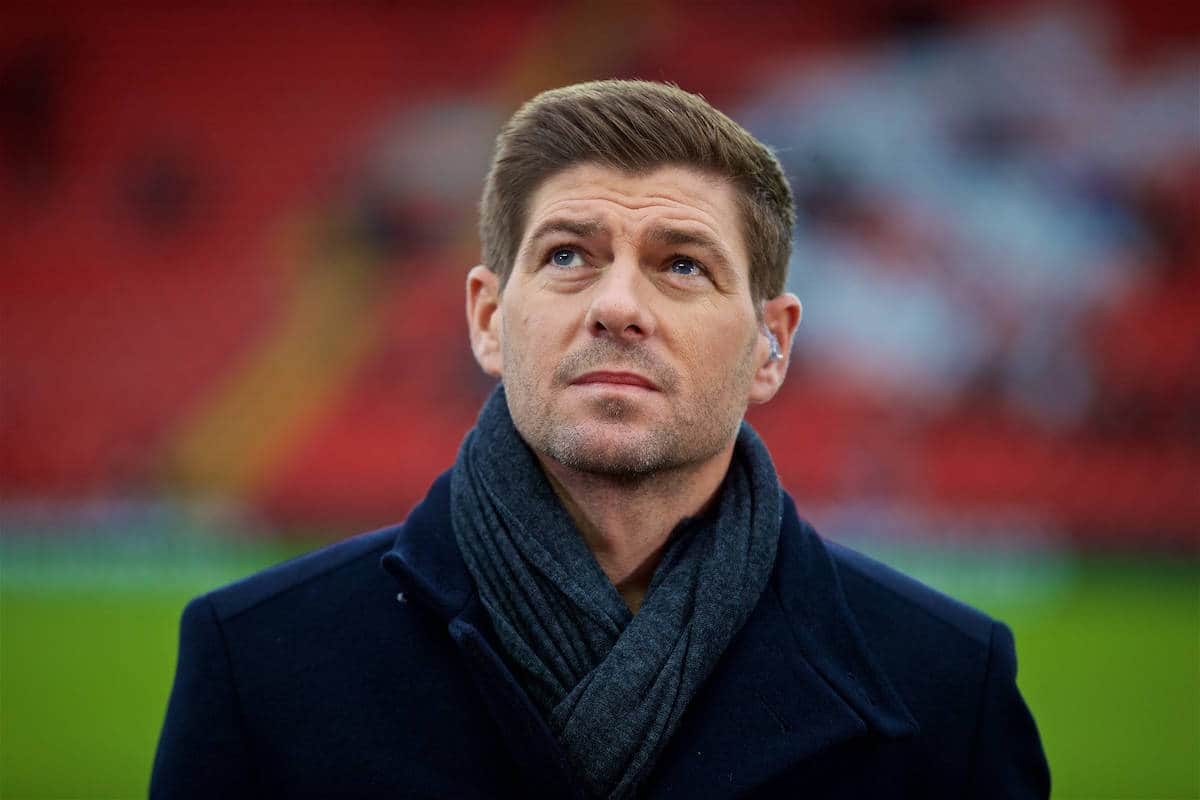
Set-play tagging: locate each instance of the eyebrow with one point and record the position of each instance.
(583, 229)
(673, 237)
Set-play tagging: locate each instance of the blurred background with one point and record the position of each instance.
(233, 242)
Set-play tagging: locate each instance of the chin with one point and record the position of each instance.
(612, 450)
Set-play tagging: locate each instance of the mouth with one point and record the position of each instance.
(609, 378)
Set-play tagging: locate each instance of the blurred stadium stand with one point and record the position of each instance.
(233, 245)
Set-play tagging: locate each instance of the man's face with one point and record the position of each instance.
(628, 339)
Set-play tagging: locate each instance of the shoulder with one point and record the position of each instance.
(896, 613)
(953, 666)
(341, 593)
(299, 628)
(874, 589)
(956, 668)
(935, 649)
(349, 562)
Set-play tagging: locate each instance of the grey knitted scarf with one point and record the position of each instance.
(612, 686)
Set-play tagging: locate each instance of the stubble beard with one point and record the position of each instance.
(609, 442)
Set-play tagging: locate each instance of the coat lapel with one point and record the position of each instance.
(425, 560)
(798, 680)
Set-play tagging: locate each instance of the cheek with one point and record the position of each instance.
(722, 343)
(526, 344)
(726, 357)
(548, 326)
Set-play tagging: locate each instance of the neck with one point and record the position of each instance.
(626, 522)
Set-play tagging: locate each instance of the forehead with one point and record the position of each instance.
(628, 203)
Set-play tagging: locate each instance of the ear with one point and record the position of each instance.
(780, 316)
(483, 319)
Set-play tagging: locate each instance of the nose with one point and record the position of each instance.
(619, 305)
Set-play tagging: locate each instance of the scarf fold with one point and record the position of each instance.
(611, 685)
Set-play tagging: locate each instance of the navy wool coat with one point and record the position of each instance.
(370, 669)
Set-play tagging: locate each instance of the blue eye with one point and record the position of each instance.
(565, 257)
(685, 266)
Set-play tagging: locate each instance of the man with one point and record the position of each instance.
(609, 595)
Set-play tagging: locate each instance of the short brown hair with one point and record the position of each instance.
(635, 126)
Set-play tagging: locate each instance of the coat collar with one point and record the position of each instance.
(799, 678)
(425, 557)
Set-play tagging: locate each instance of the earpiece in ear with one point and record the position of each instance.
(776, 353)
